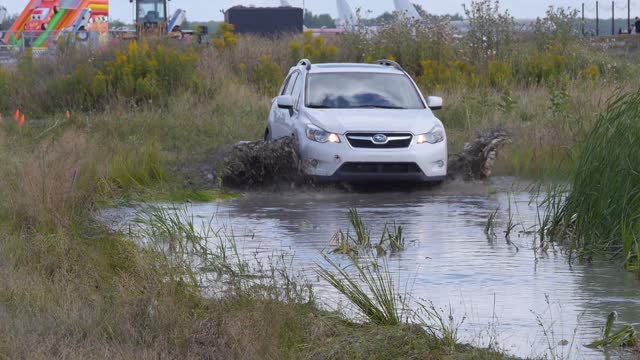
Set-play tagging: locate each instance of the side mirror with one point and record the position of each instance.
(434, 102)
(285, 102)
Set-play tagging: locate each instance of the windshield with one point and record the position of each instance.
(362, 90)
(151, 11)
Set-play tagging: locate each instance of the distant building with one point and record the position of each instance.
(266, 21)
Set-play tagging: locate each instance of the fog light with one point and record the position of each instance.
(313, 163)
(440, 164)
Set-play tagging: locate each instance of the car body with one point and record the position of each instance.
(42, 15)
(360, 122)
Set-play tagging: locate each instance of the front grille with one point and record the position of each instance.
(394, 140)
(379, 168)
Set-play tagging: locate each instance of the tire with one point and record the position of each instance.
(56, 9)
(267, 135)
(43, 27)
(82, 35)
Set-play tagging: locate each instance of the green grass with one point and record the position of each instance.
(371, 290)
(345, 243)
(625, 337)
(602, 210)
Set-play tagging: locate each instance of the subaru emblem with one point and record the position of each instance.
(380, 139)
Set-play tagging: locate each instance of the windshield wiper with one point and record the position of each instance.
(319, 107)
(376, 107)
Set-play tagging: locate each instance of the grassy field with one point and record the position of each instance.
(144, 120)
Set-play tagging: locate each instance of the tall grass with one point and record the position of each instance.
(371, 290)
(345, 243)
(602, 210)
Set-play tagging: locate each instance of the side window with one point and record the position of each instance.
(297, 90)
(291, 84)
(283, 90)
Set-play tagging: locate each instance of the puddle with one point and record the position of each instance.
(499, 287)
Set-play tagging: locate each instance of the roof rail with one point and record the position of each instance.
(385, 62)
(305, 62)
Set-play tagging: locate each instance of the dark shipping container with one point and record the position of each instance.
(267, 21)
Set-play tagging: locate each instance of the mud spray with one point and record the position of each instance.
(259, 164)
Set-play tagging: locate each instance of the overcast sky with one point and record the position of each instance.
(200, 10)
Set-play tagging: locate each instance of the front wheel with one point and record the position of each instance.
(267, 135)
(82, 35)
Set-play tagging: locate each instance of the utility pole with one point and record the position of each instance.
(597, 19)
(582, 26)
(613, 18)
(628, 15)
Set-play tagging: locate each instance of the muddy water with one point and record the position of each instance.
(502, 289)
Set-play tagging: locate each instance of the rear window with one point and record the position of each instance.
(347, 90)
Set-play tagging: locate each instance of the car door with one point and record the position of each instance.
(296, 92)
(280, 117)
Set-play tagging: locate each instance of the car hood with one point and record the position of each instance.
(372, 120)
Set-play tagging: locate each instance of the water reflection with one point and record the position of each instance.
(500, 287)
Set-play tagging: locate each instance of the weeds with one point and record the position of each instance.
(395, 238)
(625, 337)
(440, 323)
(601, 211)
(371, 290)
(360, 243)
(490, 226)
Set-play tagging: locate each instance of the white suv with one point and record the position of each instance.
(360, 122)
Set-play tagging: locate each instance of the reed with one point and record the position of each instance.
(625, 337)
(371, 290)
(601, 211)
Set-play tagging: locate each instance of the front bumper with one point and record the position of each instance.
(342, 162)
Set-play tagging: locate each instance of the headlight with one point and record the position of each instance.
(436, 135)
(318, 135)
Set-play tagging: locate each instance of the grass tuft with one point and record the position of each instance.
(602, 210)
(371, 290)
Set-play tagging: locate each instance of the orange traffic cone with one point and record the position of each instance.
(16, 116)
(21, 122)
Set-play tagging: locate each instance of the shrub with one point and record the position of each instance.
(556, 28)
(437, 74)
(143, 73)
(224, 36)
(313, 48)
(267, 76)
(490, 34)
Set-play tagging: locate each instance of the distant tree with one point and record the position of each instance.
(117, 24)
(191, 25)
(8, 21)
(384, 18)
(318, 21)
